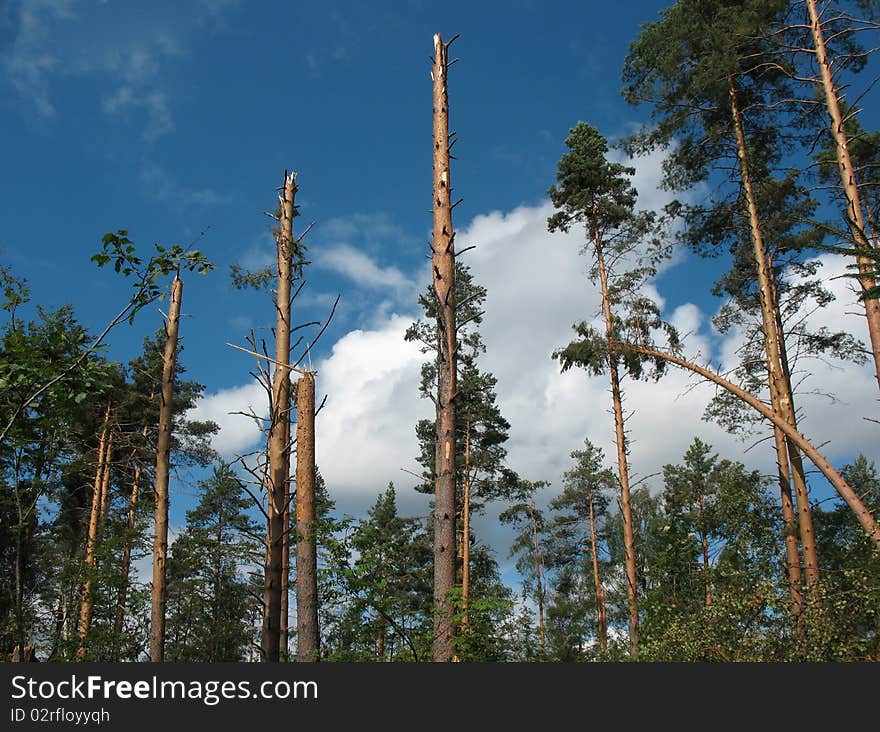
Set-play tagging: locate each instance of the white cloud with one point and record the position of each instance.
(360, 268)
(537, 287)
(55, 40)
(238, 432)
(155, 104)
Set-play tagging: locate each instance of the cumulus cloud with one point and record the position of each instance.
(238, 432)
(537, 287)
(360, 268)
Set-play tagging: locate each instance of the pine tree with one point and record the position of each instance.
(578, 529)
(208, 586)
(598, 193)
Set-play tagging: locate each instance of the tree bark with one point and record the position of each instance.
(466, 531)
(844, 490)
(85, 614)
(284, 633)
(163, 467)
(443, 267)
(308, 636)
(601, 620)
(629, 549)
(277, 488)
(780, 389)
(105, 485)
(849, 181)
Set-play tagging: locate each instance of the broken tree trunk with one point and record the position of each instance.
(443, 268)
(163, 466)
(844, 490)
(85, 613)
(854, 212)
(277, 489)
(308, 637)
(466, 531)
(780, 386)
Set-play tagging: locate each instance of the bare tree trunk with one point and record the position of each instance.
(848, 179)
(782, 396)
(601, 619)
(285, 563)
(443, 267)
(85, 613)
(279, 430)
(629, 548)
(105, 484)
(308, 636)
(844, 490)
(539, 576)
(466, 531)
(163, 467)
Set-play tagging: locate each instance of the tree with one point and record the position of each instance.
(583, 502)
(308, 634)
(481, 430)
(528, 547)
(700, 64)
(208, 588)
(163, 452)
(598, 193)
(443, 268)
(854, 212)
(383, 578)
(44, 431)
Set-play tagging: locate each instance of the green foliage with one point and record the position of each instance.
(208, 597)
(598, 193)
(381, 579)
(480, 426)
(147, 275)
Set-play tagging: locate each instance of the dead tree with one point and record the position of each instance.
(443, 268)
(277, 489)
(308, 636)
(163, 456)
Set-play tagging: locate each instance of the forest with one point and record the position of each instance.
(755, 104)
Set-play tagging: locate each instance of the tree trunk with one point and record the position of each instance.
(629, 548)
(780, 389)
(443, 267)
(285, 566)
(848, 179)
(85, 613)
(802, 498)
(539, 577)
(601, 620)
(278, 442)
(308, 636)
(844, 490)
(105, 485)
(121, 596)
(466, 531)
(163, 467)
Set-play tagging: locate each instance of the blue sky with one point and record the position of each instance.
(171, 118)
